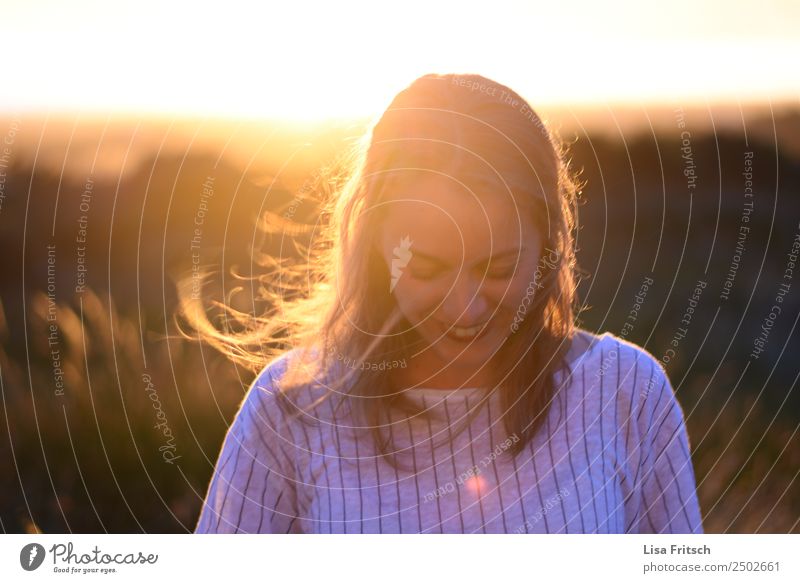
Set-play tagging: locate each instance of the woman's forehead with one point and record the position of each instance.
(449, 222)
(446, 205)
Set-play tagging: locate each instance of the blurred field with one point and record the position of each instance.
(89, 461)
(93, 459)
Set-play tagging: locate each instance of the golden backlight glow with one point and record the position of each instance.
(301, 61)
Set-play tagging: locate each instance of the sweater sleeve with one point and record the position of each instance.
(253, 489)
(668, 501)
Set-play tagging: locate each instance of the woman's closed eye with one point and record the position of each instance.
(494, 272)
(426, 273)
(501, 271)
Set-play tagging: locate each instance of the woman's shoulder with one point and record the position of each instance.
(643, 380)
(603, 350)
(274, 383)
(269, 377)
(609, 360)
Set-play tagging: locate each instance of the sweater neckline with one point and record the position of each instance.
(456, 399)
(438, 391)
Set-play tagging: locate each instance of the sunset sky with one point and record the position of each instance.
(306, 61)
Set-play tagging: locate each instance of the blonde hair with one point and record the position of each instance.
(337, 302)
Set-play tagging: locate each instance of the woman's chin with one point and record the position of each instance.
(465, 355)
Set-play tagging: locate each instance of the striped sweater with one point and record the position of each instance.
(612, 457)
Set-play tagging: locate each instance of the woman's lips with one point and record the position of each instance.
(467, 333)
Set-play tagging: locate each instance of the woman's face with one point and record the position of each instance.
(461, 272)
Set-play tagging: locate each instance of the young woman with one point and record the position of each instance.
(429, 377)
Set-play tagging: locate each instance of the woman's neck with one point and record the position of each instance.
(447, 378)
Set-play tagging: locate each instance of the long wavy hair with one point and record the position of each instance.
(333, 305)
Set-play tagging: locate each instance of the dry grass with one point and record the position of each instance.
(89, 461)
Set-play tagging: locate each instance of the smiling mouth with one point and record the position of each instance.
(466, 334)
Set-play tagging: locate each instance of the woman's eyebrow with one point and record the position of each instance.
(494, 257)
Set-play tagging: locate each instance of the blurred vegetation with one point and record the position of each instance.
(90, 460)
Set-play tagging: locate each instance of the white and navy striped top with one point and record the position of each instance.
(612, 457)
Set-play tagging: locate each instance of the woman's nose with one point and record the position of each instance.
(465, 304)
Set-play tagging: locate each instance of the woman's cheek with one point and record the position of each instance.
(417, 299)
(503, 292)
(516, 292)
